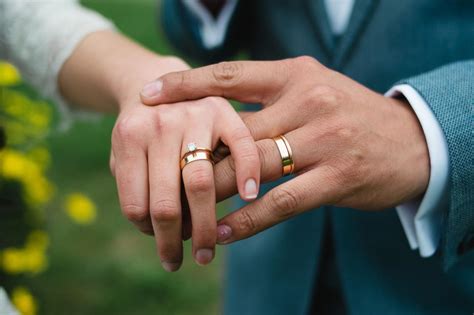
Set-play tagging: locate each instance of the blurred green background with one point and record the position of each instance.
(109, 267)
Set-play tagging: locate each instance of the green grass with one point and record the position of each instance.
(109, 267)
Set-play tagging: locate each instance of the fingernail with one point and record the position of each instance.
(152, 88)
(204, 256)
(251, 189)
(170, 267)
(224, 232)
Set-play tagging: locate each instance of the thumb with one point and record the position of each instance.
(244, 81)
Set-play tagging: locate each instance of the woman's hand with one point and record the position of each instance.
(106, 73)
(147, 146)
(351, 146)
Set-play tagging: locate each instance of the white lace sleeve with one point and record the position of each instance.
(6, 308)
(39, 36)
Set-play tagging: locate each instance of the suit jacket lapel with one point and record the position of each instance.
(319, 17)
(360, 16)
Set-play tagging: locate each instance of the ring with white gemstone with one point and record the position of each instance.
(196, 153)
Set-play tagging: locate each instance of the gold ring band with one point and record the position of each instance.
(288, 166)
(196, 154)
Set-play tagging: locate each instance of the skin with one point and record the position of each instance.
(352, 147)
(148, 143)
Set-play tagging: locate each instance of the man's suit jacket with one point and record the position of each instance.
(428, 44)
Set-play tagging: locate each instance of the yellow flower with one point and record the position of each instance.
(24, 301)
(38, 191)
(80, 208)
(15, 165)
(30, 259)
(9, 75)
(35, 260)
(13, 260)
(37, 239)
(41, 156)
(25, 120)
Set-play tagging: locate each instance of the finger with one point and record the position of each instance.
(225, 171)
(237, 137)
(304, 156)
(131, 175)
(245, 81)
(265, 123)
(271, 122)
(165, 200)
(198, 179)
(304, 192)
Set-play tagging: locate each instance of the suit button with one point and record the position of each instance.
(466, 245)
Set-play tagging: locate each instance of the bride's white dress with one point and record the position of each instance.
(39, 36)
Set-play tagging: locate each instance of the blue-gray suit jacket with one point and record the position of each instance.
(428, 44)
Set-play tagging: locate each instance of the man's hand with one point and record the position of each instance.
(351, 146)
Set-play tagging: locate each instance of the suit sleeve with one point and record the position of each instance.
(182, 28)
(449, 91)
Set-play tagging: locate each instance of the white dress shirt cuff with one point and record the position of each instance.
(422, 219)
(212, 30)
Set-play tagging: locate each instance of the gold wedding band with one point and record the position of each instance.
(196, 154)
(288, 166)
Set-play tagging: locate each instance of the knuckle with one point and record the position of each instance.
(164, 119)
(127, 128)
(165, 210)
(338, 131)
(285, 202)
(197, 110)
(356, 166)
(199, 181)
(345, 132)
(227, 73)
(323, 95)
(306, 61)
(135, 213)
(246, 222)
(213, 102)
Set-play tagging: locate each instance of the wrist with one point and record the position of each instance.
(107, 70)
(129, 84)
(415, 162)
